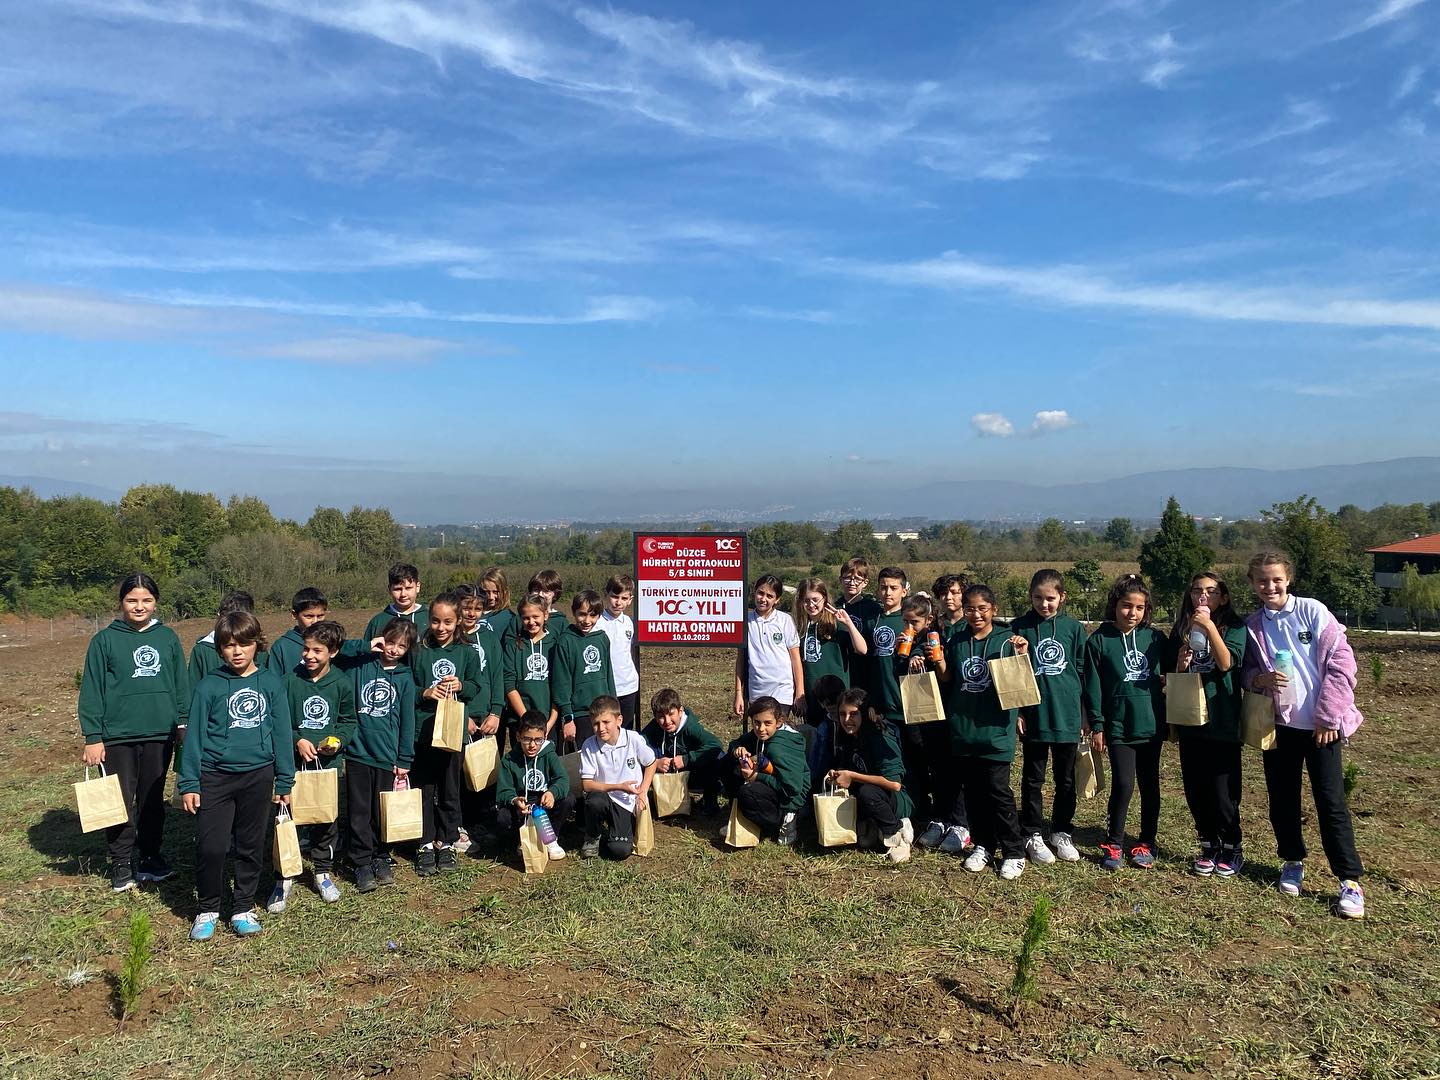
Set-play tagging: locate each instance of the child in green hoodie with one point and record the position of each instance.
(134, 694)
(532, 775)
(203, 657)
(307, 607)
(322, 716)
(528, 652)
(580, 669)
(495, 613)
(237, 754)
(444, 665)
(682, 744)
(764, 771)
(1125, 707)
(404, 584)
(865, 760)
(380, 752)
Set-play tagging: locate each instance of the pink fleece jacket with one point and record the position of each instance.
(1330, 659)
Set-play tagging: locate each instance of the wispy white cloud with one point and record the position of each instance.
(359, 348)
(1047, 420)
(1388, 11)
(807, 316)
(1408, 84)
(992, 425)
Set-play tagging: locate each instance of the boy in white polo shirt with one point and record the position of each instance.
(620, 629)
(616, 765)
(769, 664)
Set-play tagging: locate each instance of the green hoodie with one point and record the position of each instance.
(819, 656)
(500, 622)
(1222, 689)
(580, 670)
(690, 740)
(490, 674)
(431, 663)
(322, 708)
(1057, 654)
(420, 617)
(1124, 694)
(384, 734)
(239, 724)
(520, 776)
(204, 659)
(285, 652)
(979, 727)
(874, 751)
(135, 687)
(886, 666)
(786, 751)
(557, 623)
(527, 672)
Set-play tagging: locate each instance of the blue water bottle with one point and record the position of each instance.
(543, 826)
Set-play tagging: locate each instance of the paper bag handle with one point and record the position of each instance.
(283, 813)
(100, 766)
(402, 783)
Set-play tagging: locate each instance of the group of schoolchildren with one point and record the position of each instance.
(820, 694)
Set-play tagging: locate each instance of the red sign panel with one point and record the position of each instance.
(690, 588)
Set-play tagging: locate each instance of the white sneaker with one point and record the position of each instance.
(933, 834)
(1064, 847)
(977, 860)
(789, 831)
(907, 830)
(280, 895)
(1035, 848)
(897, 848)
(554, 850)
(1010, 869)
(462, 845)
(326, 887)
(957, 839)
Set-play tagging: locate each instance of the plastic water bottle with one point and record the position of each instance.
(1285, 695)
(542, 825)
(1199, 642)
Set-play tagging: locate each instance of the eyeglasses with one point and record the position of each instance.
(981, 610)
(532, 742)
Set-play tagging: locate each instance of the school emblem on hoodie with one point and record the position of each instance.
(480, 652)
(812, 649)
(537, 667)
(591, 656)
(1050, 658)
(440, 670)
(315, 713)
(376, 697)
(247, 708)
(976, 675)
(1203, 663)
(147, 662)
(535, 780)
(884, 641)
(1137, 667)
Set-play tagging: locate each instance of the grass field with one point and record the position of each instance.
(770, 963)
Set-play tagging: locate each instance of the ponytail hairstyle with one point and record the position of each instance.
(825, 621)
(1048, 577)
(534, 600)
(493, 575)
(1271, 558)
(1124, 585)
(450, 600)
(1224, 616)
(978, 592)
(919, 604)
(138, 580)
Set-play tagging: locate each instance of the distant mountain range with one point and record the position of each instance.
(1216, 492)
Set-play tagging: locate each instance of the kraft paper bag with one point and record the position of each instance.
(644, 829)
(672, 794)
(836, 818)
(1257, 720)
(532, 851)
(401, 815)
(315, 798)
(482, 763)
(285, 851)
(571, 761)
(1014, 681)
(100, 801)
(1089, 771)
(450, 726)
(741, 831)
(920, 698)
(1185, 699)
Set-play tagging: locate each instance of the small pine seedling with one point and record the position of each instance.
(137, 959)
(79, 677)
(1352, 777)
(1377, 670)
(1023, 987)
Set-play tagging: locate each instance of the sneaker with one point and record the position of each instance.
(1035, 849)
(957, 839)
(1352, 900)
(203, 928)
(1141, 856)
(789, 831)
(246, 923)
(933, 834)
(280, 896)
(554, 850)
(365, 879)
(154, 868)
(445, 858)
(1204, 864)
(425, 861)
(907, 830)
(1010, 869)
(326, 887)
(897, 848)
(1110, 857)
(590, 849)
(1229, 862)
(977, 860)
(384, 870)
(121, 879)
(1291, 875)
(1064, 847)
(462, 845)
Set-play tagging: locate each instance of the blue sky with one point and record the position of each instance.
(481, 260)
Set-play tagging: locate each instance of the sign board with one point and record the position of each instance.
(690, 589)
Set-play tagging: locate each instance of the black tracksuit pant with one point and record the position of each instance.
(1133, 764)
(363, 785)
(1295, 750)
(233, 806)
(141, 767)
(1210, 771)
(1034, 758)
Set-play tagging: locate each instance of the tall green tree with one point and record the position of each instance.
(1050, 539)
(1174, 555)
(1120, 534)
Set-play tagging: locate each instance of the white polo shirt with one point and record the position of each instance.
(620, 629)
(623, 762)
(768, 642)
